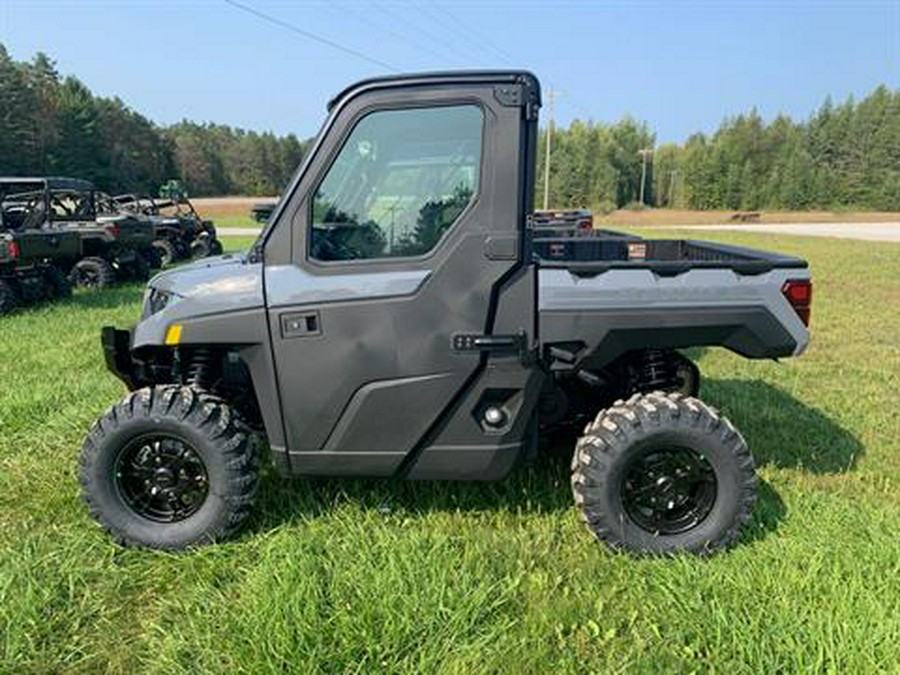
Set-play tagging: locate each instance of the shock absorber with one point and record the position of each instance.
(200, 369)
(656, 370)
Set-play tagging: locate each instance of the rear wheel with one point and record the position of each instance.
(662, 473)
(200, 247)
(8, 299)
(169, 467)
(92, 273)
(166, 251)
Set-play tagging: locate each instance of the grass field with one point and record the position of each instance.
(366, 576)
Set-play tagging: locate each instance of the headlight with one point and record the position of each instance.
(156, 300)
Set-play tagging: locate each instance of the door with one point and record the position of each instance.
(403, 225)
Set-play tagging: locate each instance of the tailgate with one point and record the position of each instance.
(39, 244)
(131, 231)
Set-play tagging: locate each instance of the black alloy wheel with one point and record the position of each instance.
(162, 478)
(669, 490)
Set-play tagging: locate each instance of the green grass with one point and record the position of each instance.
(362, 576)
(224, 222)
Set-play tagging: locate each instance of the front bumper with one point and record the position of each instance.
(117, 353)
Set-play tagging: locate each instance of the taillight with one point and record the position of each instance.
(799, 293)
(586, 223)
(12, 249)
(112, 230)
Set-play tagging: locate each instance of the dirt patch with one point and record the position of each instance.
(216, 207)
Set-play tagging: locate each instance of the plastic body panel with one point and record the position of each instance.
(623, 309)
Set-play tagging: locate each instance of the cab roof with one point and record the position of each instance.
(442, 77)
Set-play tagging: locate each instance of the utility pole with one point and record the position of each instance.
(643, 153)
(672, 176)
(551, 95)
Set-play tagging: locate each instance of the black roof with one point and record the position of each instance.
(443, 77)
(52, 182)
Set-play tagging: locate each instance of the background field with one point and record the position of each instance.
(360, 576)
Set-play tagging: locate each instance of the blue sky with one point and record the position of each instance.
(680, 66)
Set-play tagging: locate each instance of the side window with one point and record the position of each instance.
(399, 183)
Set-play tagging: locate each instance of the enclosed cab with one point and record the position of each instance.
(399, 317)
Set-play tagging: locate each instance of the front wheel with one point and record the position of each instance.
(92, 273)
(215, 247)
(169, 467)
(662, 473)
(166, 253)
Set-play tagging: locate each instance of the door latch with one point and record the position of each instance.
(474, 342)
(300, 324)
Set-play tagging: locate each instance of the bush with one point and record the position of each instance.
(635, 206)
(605, 207)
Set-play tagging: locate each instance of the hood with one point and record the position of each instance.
(212, 285)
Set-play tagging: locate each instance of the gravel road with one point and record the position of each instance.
(866, 231)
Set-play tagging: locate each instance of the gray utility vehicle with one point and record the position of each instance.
(33, 265)
(393, 319)
(114, 245)
(263, 211)
(575, 220)
(179, 231)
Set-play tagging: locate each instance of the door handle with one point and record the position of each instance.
(300, 324)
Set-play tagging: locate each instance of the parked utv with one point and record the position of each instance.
(263, 211)
(33, 265)
(397, 317)
(179, 231)
(115, 245)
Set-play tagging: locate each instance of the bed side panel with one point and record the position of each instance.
(621, 310)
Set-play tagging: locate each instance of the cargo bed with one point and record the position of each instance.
(589, 255)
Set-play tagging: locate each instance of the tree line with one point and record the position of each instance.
(54, 125)
(845, 155)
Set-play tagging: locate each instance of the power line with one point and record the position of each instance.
(310, 35)
(432, 12)
(414, 33)
(457, 54)
(477, 38)
(382, 25)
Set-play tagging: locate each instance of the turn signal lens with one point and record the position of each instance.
(799, 293)
(173, 335)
